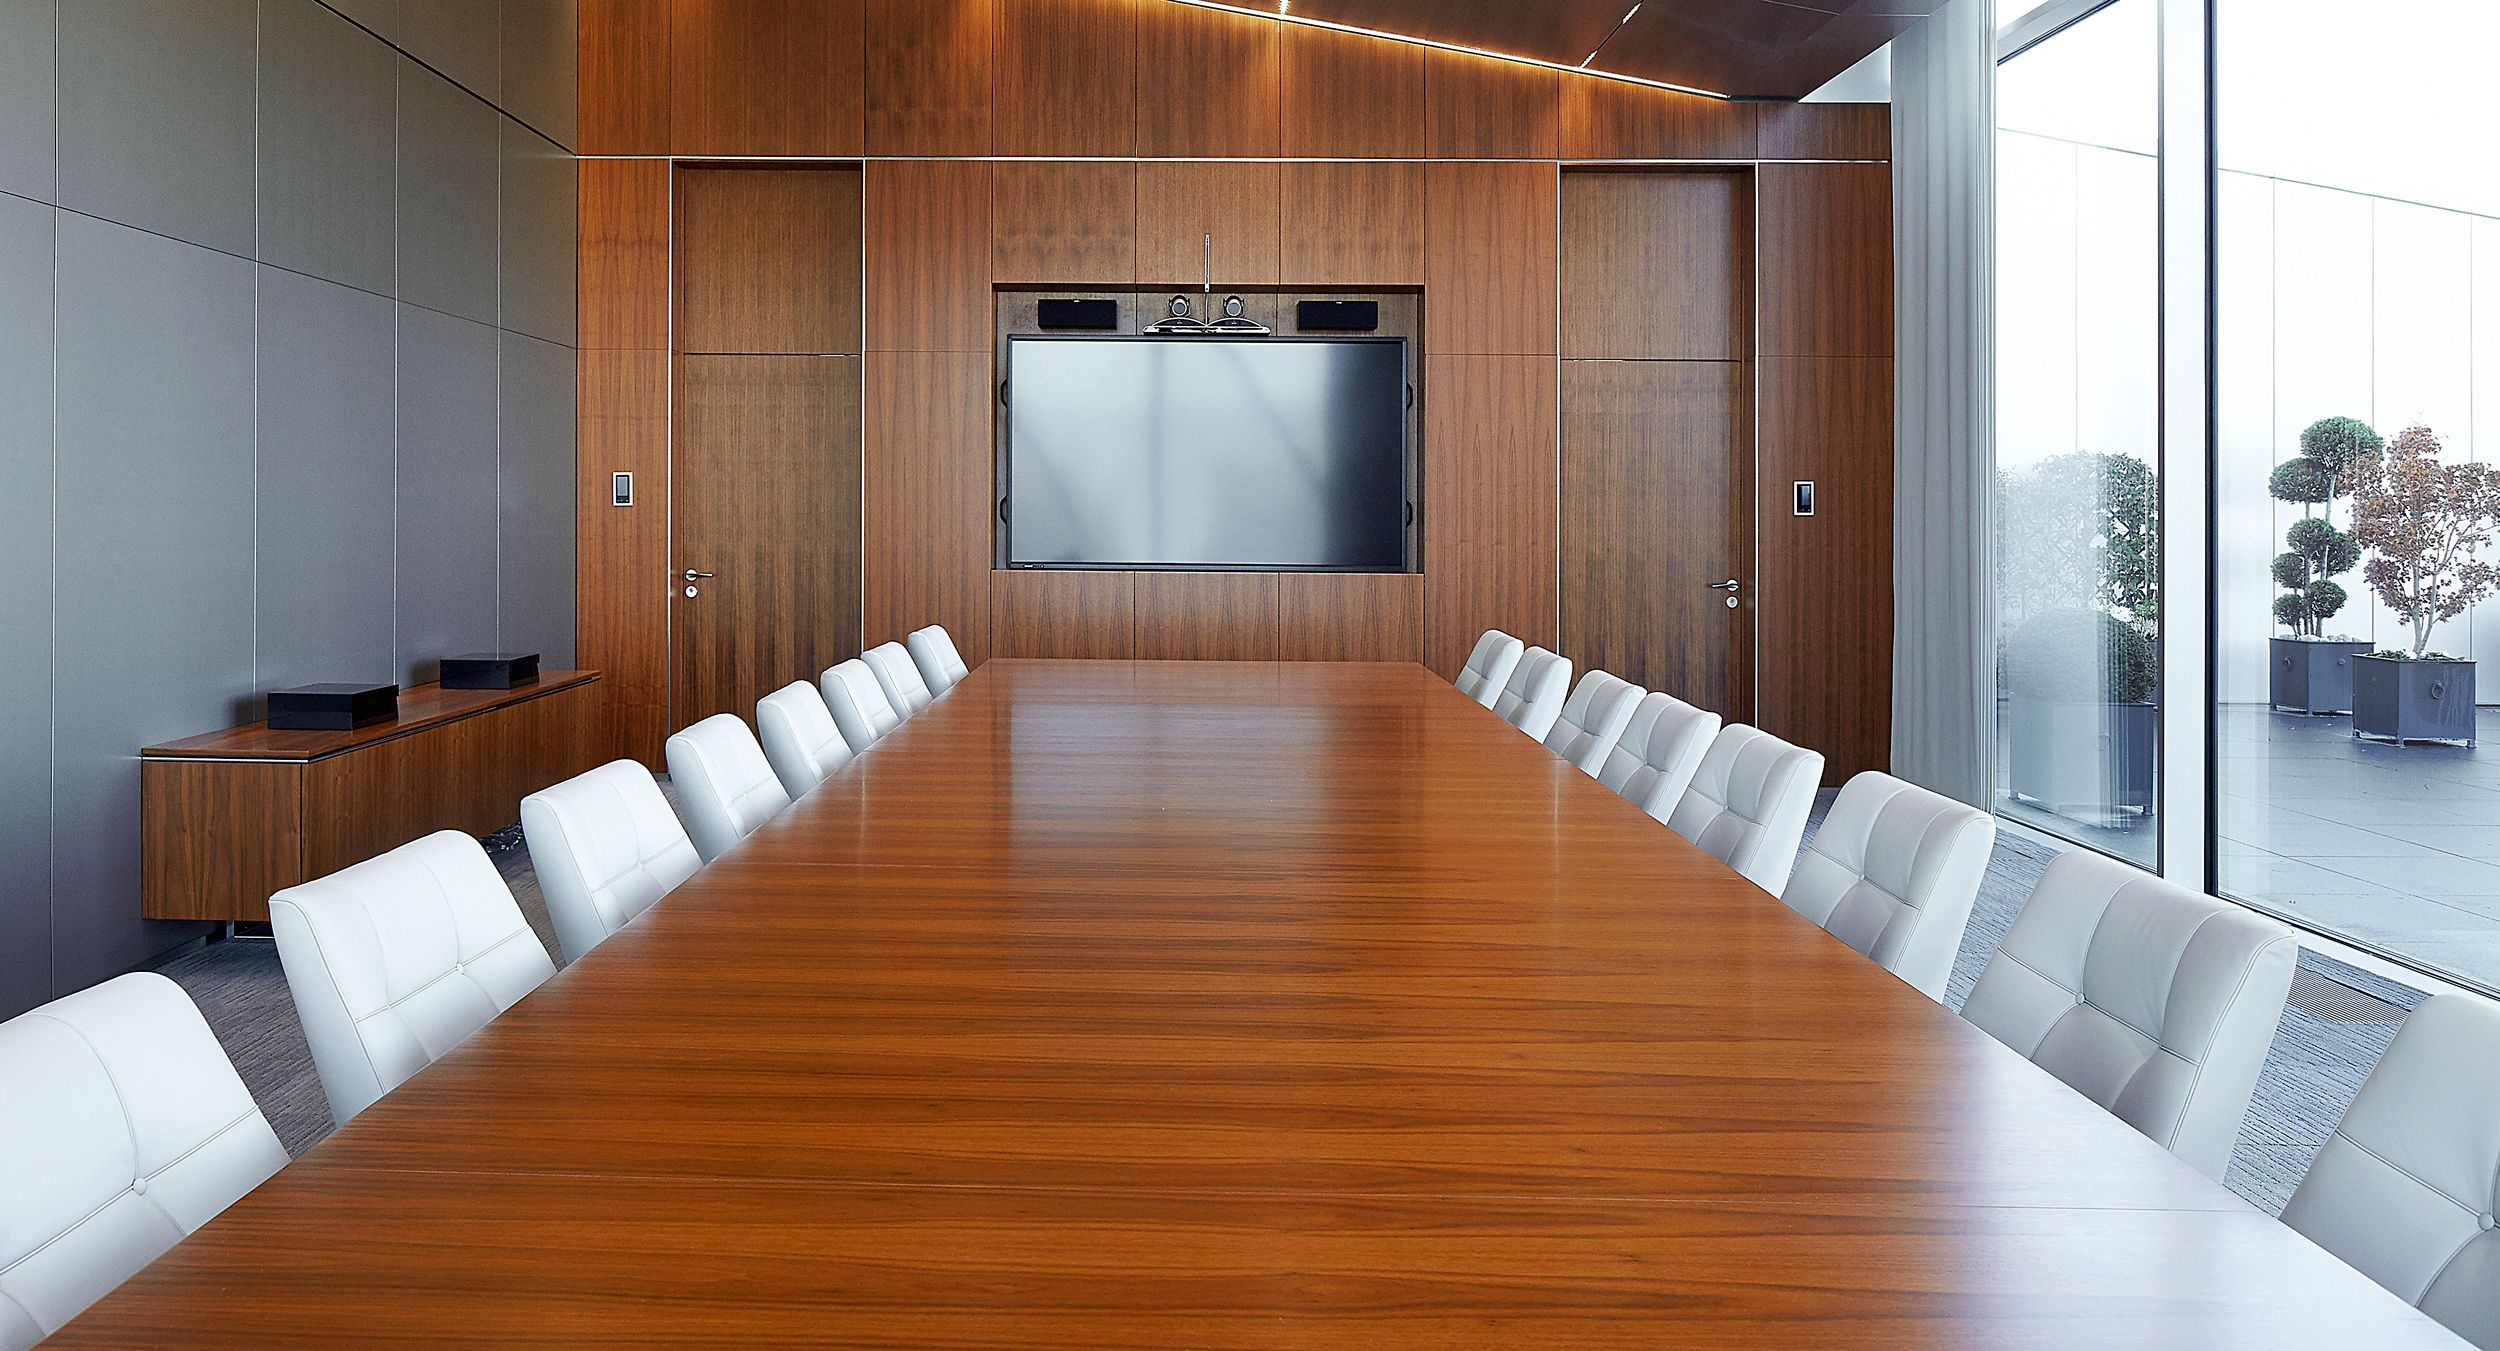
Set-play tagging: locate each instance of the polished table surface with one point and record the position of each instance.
(1207, 1004)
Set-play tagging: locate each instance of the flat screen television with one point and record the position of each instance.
(1204, 452)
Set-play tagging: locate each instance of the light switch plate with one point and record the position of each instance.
(1804, 496)
(620, 490)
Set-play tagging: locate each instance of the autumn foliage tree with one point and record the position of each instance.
(2427, 521)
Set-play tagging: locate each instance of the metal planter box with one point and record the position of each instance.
(2311, 675)
(2401, 701)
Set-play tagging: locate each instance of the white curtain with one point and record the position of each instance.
(1944, 233)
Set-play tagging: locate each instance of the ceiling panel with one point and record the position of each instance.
(1750, 48)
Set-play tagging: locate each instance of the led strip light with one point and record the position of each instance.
(1284, 12)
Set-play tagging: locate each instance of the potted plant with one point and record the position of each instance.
(2309, 672)
(2426, 521)
(2080, 721)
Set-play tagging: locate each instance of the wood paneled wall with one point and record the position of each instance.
(1090, 145)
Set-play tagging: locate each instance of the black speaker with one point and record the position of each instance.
(1338, 316)
(490, 670)
(1100, 316)
(332, 708)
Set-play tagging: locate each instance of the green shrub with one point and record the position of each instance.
(2080, 656)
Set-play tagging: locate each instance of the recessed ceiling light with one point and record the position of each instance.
(1284, 11)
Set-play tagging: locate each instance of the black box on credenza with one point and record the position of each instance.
(332, 708)
(490, 671)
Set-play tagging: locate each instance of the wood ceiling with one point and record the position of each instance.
(1748, 48)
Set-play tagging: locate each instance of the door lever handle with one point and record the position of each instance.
(1729, 586)
(692, 575)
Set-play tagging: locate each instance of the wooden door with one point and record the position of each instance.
(1658, 514)
(765, 497)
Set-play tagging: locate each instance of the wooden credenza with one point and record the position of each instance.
(229, 817)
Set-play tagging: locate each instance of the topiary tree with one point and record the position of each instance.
(2080, 530)
(2335, 454)
(2427, 520)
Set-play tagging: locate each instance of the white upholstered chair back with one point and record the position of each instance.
(2151, 1000)
(2406, 1187)
(1893, 873)
(1748, 802)
(122, 1129)
(606, 848)
(933, 651)
(1660, 751)
(1533, 700)
(859, 705)
(1489, 667)
(800, 741)
(724, 784)
(398, 959)
(1593, 720)
(898, 677)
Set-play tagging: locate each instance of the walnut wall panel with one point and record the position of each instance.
(928, 228)
(1826, 259)
(625, 78)
(1189, 213)
(1657, 265)
(1826, 593)
(1353, 224)
(928, 73)
(1820, 131)
(623, 268)
(765, 77)
(1657, 506)
(1066, 78)
(1482, 109)
(1489, 489)
(1490, 258)
(1206, 616)
(621, 553)
(1210, 84)
(1611, 120)
(1063, 224)
(925, 527)
(1063, 614)
(1350, 616)
(1352, 97)
(768, 260)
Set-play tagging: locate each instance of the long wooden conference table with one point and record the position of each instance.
(1162, 1005)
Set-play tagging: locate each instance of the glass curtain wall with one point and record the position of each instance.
(2357, 516)
(2079, 457)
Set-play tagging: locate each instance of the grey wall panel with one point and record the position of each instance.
(541, 66)
(25, 605)
(26, 54)
(535, 527)
(381, 16)
(156, 116)
(539, 246)
(460, 38)
(328, 574)
(450, 153)
(447, 488)
(329, 110)
(153, 522)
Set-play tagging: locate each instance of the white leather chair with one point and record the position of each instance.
(1489, 667)
(859, 705)
(933, 651)
(891, 664)
(122, 1129)
(1533, 700)
(2404, 1190)
(1748, 802)
(724, 784)
(1893, 873)
(398, 959)
(2151, 1000)
(1593, 720)
(1661, 748)
(800, 740)
(607, 848)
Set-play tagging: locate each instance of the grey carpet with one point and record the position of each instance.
(2316, 1065)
